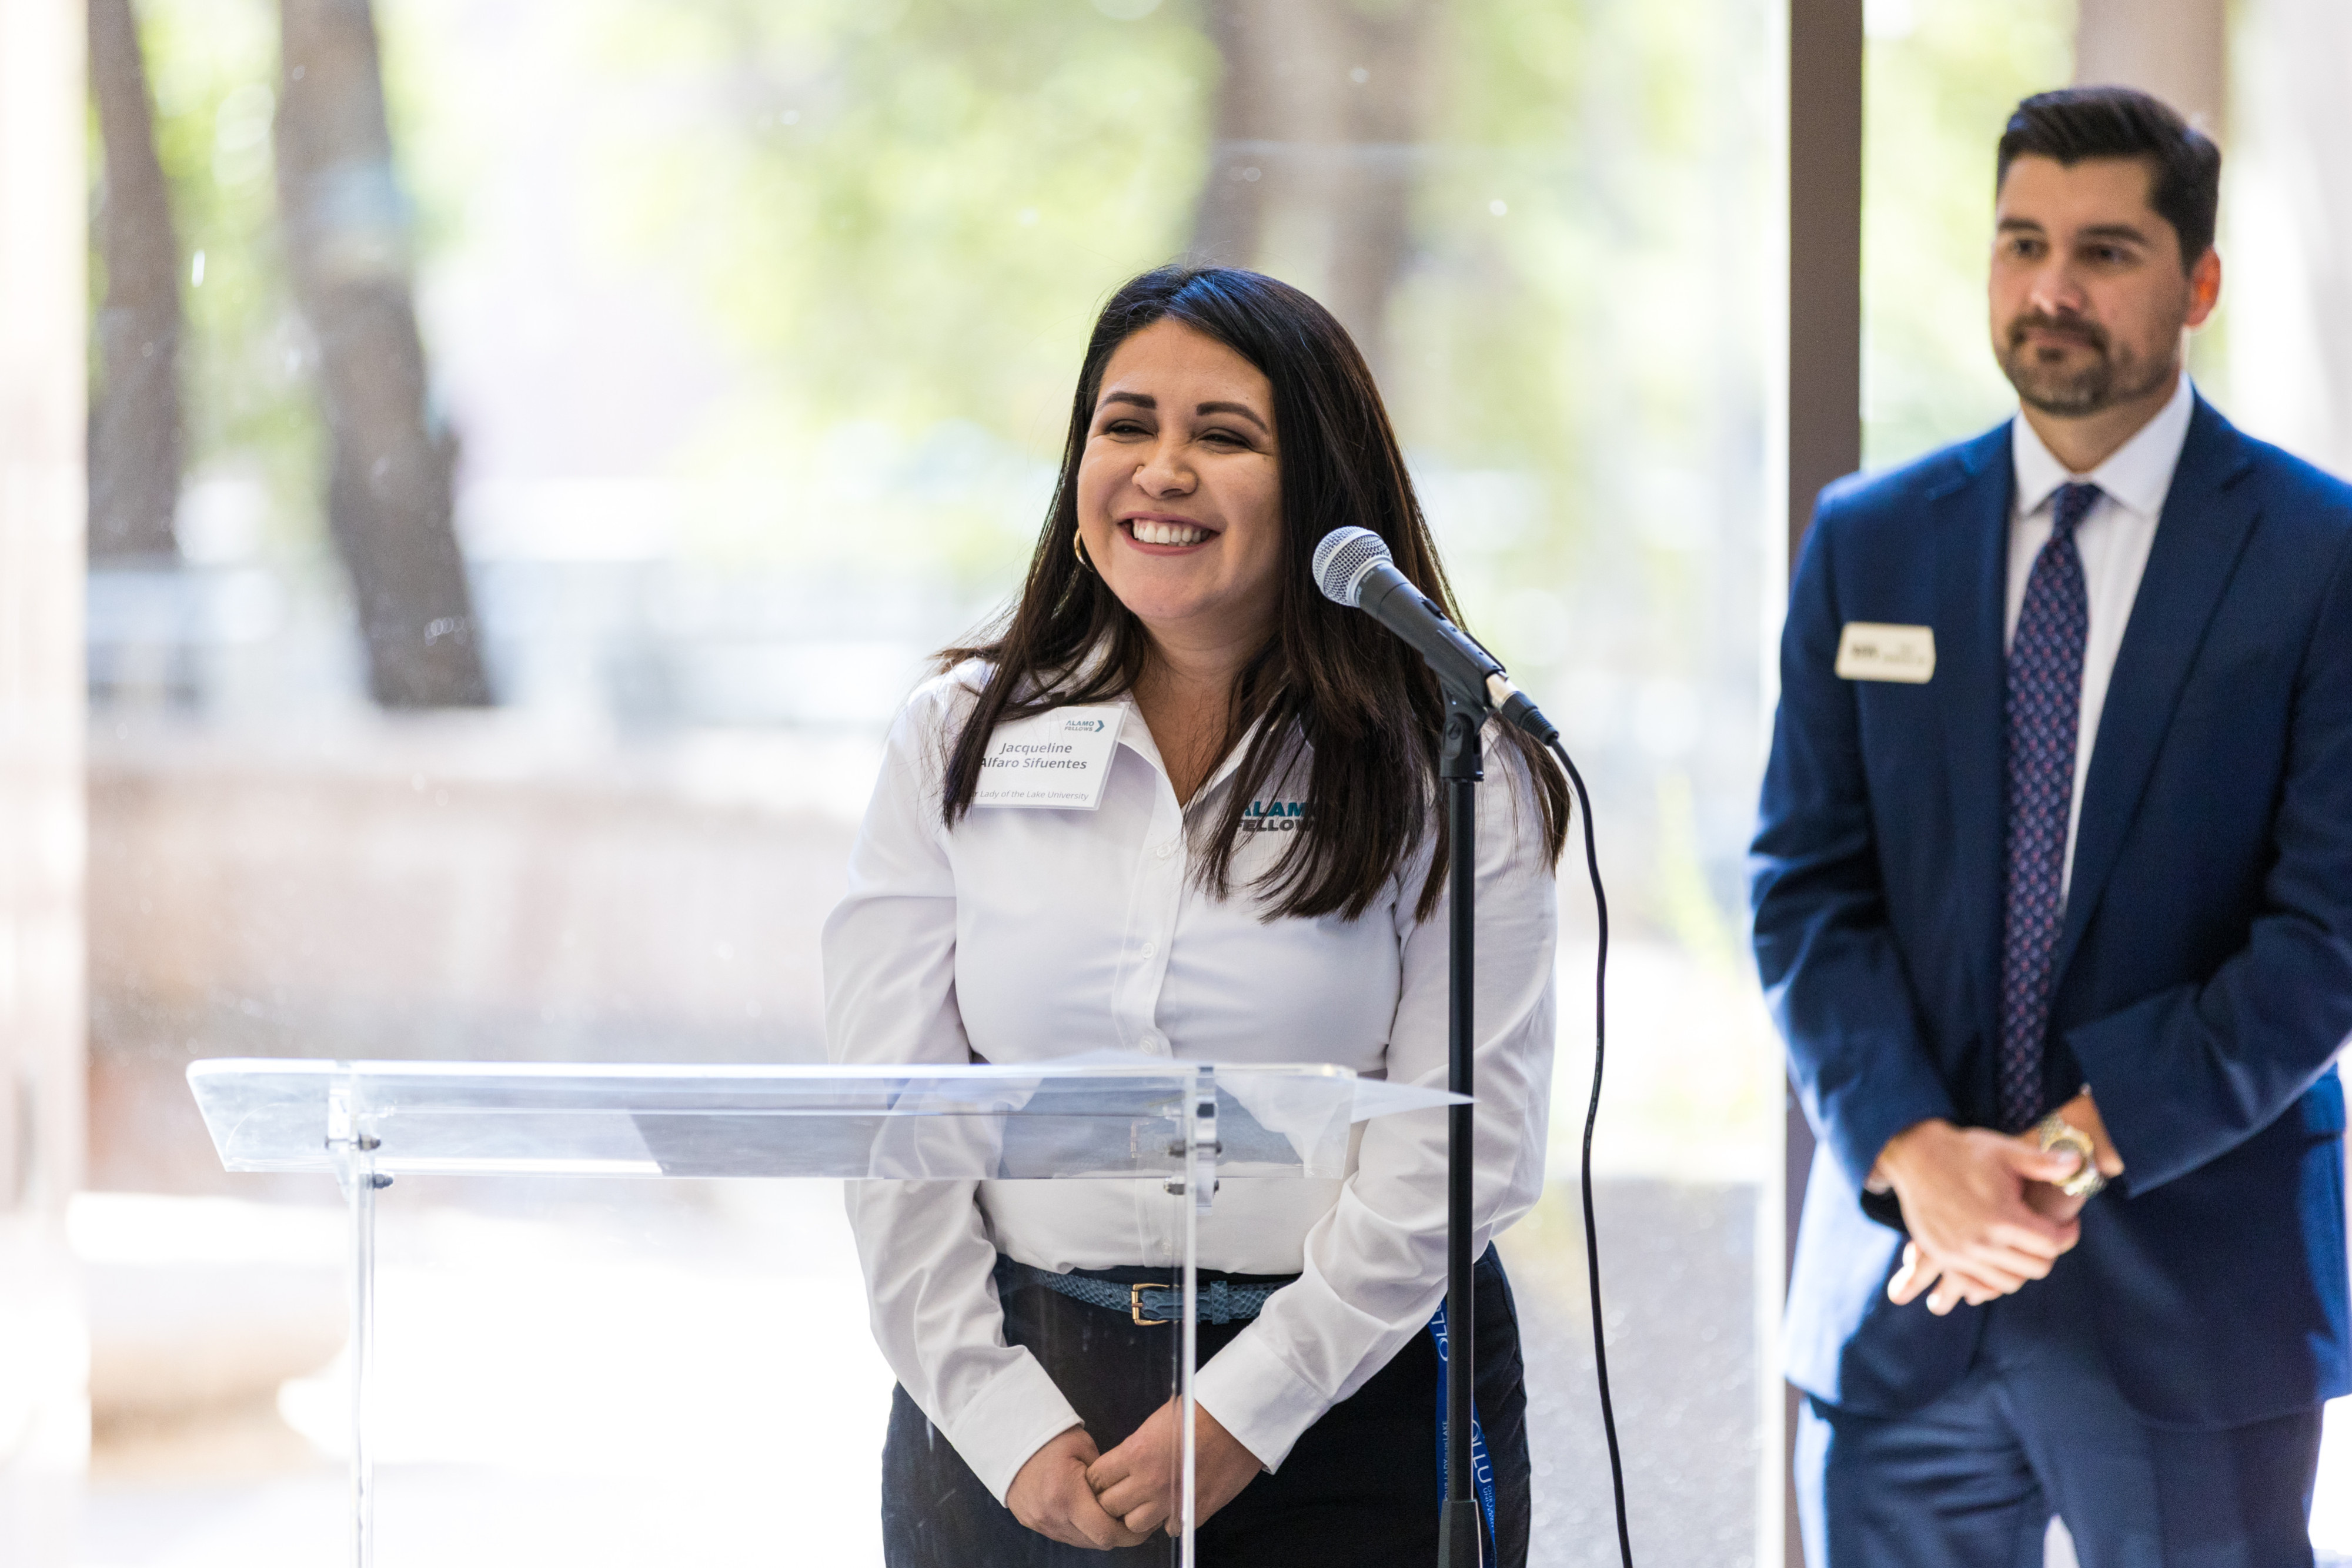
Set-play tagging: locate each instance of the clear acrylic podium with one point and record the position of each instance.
(1180, 1126)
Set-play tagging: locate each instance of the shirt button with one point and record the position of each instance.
(1166, 850)
(1149, 949)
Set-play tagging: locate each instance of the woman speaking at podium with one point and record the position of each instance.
(1244, 874)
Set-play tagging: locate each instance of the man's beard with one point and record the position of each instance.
(2109, 379)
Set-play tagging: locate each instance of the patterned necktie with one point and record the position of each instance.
(2044, 713)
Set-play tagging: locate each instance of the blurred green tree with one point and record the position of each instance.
(907, 211)
(909, 208)
(245, 401)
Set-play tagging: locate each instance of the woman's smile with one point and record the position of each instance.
(1165, 533)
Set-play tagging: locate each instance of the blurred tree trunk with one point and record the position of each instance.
(347, 229)
(1319, 118)
(134, 422)
(2177, 50)
(1230, 216)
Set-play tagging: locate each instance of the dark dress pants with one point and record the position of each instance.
(2038, 1428)
(1359, 1489)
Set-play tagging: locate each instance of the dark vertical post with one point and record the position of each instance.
(1825, 390)
(1459, 1520)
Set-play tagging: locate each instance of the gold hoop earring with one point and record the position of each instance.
(1079, 546)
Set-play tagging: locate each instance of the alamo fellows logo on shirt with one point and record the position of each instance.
(1272, 816)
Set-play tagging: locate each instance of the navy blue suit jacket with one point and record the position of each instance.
(2204, 971)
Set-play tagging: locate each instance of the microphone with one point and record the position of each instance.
(1352, 566)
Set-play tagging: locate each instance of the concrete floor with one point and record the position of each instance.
(1678, 1295)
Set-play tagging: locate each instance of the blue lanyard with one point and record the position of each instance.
(1482, 1472)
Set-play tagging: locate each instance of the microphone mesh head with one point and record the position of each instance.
(1344, 558)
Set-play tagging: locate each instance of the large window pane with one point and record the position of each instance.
(748, 332)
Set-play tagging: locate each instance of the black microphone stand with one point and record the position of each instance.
(1459, 1520)
(1353, 567)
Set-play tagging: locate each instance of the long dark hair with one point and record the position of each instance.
(1367, 708)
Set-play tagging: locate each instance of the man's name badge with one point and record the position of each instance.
(1054, 761)
(1872, 650)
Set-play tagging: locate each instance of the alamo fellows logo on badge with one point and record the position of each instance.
(1053, 761)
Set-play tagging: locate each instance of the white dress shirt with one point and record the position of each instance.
(2113, 540)
(1025, 935)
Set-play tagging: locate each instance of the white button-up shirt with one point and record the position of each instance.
(2113, 539)
(1025, 935)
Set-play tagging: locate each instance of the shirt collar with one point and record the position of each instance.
(1136, 735)
(2138, 475)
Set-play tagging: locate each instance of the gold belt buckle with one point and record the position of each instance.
(1135, 1305)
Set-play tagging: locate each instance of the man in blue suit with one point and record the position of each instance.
(2053, 899)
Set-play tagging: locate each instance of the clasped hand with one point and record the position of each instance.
(1982, 1207)
(1080, 1498)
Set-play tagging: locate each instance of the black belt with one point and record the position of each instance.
(1147, 1304)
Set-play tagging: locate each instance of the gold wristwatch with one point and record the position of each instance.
(2054, 1132)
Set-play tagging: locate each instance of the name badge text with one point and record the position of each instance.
(1875, 651)
(1053, 761)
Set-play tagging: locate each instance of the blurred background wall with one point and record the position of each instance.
(44, 1419)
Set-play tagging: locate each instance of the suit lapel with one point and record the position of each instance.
(1970, 518)
(2204, 526)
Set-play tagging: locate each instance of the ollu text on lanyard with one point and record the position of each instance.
(1481, 1471)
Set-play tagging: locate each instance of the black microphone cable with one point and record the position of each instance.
(1592, 1116)
(1353, 567)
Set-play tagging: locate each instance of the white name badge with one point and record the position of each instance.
(1872, 651)
(1054, 761)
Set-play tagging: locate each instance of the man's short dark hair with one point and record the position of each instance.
(2078, 122)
